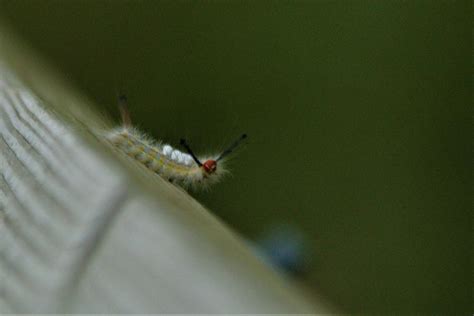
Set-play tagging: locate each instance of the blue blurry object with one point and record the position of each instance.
(284, 247)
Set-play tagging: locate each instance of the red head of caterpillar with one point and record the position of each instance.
(210, 165)
(178, 167)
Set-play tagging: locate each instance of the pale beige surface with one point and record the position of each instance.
(83, 231)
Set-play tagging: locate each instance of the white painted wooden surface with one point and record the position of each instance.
(82, 230)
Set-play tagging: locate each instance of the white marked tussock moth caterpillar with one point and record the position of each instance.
(183, 168)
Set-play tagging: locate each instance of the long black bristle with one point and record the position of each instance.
(185, 145)
(232, 147)
(124, 112)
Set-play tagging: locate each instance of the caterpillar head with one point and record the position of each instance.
(210, 166)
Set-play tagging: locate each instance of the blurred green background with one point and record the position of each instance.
(358, 115)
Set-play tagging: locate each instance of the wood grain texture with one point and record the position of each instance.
(82, 231)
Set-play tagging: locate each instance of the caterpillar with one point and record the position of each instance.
(182, 168)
